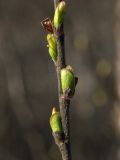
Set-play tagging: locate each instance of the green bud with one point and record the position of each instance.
(53, 54)
(52, 41)
(52, 44)
(55, 121)
(67, 79)
(59, 14)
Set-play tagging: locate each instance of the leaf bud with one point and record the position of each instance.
(67, 79)
(55, 121)
(52, 44)
(59, 14)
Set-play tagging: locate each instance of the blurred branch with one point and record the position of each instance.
(19, 104)
(117, 69)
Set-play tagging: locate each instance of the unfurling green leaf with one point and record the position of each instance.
(55, 121)
(59, 14)
(52, 41)
(52, 44)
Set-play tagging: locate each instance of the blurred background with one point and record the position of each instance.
(28, 83)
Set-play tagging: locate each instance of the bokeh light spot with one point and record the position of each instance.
(99, 97)
(103, 68)
(81, 42)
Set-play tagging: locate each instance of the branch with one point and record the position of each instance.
(55, 4)
(66, 80)
(64, 103)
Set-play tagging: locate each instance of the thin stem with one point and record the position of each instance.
(64, 103)
(55, 4)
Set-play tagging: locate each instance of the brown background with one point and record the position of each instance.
(28, 84)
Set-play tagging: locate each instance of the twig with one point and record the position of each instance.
(64, 102)
(60, 133)
(55, 4)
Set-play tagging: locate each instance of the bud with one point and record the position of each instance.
(59, 14)
(55, 121)
(53, 54)
(47, 24)
(67, 79)
(52, 41)
(52, 44)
